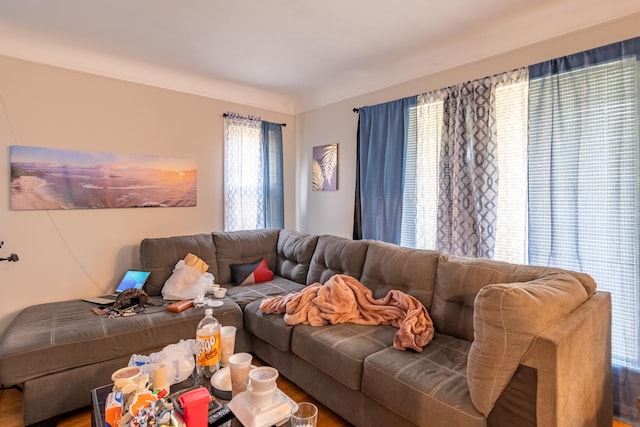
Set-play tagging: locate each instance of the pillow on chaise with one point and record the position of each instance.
(253, 272)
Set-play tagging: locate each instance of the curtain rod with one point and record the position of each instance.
(246, 117)
(356, 110)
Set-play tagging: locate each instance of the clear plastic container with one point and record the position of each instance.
(208, 345)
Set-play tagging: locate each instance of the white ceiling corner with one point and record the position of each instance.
(284, 55)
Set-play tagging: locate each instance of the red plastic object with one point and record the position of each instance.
(195, 404)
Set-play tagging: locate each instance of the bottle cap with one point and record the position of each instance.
(208, 312)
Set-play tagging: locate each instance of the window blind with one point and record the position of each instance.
(583, 185)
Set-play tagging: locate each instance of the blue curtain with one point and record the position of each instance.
(382, 142)
(273, 172)
(584, 187)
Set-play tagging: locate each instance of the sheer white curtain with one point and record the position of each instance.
(244, 173)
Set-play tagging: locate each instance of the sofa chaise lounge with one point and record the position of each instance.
(514, 344)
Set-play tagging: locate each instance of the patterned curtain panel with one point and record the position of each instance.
(243, 173)
(469, 173)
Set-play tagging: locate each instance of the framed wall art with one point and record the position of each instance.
(48, 178)
(325, 168)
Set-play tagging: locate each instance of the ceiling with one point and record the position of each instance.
(284, 55)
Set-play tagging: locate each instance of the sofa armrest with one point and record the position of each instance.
(507, 319)
(573, 361)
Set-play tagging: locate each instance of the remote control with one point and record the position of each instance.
(220, 416)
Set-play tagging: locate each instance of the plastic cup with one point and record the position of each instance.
(227, 343)
(305, 416)
(239, 367)
(263, 379)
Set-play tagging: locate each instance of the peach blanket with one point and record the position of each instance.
(343, 299)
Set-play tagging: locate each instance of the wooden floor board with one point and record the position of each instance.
(11, 409)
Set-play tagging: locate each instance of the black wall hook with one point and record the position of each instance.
(11, 257)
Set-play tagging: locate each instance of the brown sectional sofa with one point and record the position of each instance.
(514, 344)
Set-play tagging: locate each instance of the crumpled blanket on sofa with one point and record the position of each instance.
(343, 299)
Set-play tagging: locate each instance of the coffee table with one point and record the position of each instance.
(99, 397)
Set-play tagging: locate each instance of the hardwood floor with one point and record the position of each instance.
(11, 410)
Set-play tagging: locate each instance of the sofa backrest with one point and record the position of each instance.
(412, 271)
(336, 255)
(241, 247)
(160, 255)
(295, 251)
(458, 281)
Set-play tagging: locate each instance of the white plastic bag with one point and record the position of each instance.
(186, 282)
(179, 359)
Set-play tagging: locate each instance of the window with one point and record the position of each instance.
(253, 188)
(541, 169)
(584, 185)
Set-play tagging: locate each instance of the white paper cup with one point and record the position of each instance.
(219, 292)
(263, 378)
(227, 343)
(239, 367)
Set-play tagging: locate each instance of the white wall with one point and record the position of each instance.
(79, 253)
(332, 212)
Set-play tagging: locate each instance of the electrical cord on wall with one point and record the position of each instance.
(12, 257)
(6, 116)
(71, 252)
(55, 225)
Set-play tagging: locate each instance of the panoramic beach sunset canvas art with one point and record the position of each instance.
(47, 178)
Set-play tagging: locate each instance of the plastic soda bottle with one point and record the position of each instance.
(208, 345)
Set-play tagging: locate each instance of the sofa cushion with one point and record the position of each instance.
(295, 251)
(507, 319)
(424, 387)
(241, 247)
(160, 255)
(59, 336)
(336, 255)
(270, 328)
(459, 280)
(340, 350)
(412, 271)
(243, 295)
(253, 272)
